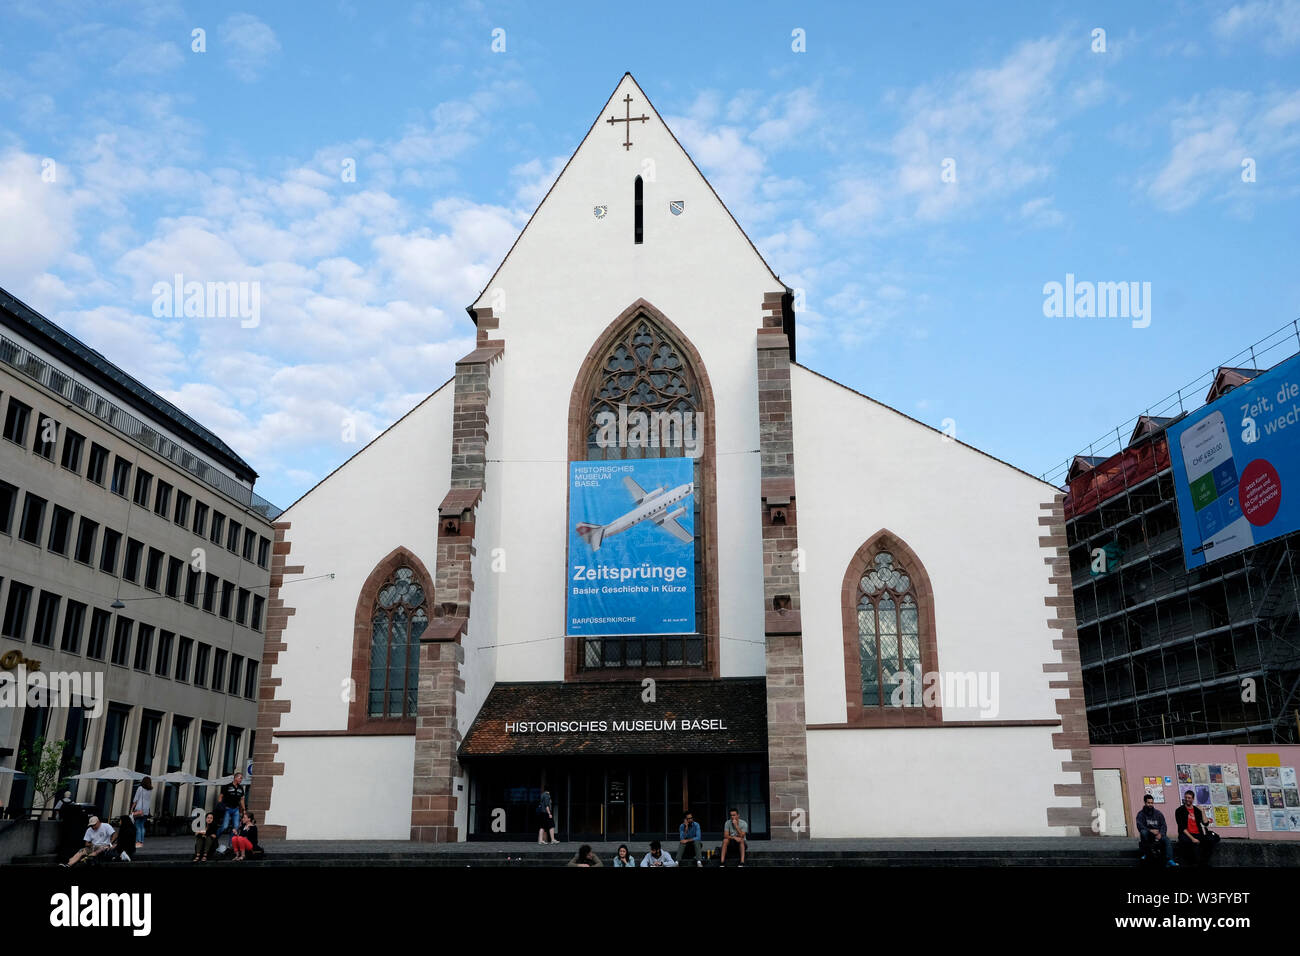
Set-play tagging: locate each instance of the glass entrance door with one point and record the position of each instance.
(586, 810)
(618, 823)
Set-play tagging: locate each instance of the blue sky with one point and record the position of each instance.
(224, 165)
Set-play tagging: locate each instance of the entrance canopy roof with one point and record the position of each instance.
(621, 718)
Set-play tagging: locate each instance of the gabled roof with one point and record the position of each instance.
(1149, 425)
(917, 421)
(29, 324)
(343, 464)
(631, 81)
(1083, 464)
(1227, 379)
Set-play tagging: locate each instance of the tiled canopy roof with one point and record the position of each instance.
(740, 704)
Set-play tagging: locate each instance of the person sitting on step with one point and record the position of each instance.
(1152, 832)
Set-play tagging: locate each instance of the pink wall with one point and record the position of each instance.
(1158, 760)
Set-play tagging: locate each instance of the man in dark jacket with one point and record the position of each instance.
(1194, 834)
(1152, 831)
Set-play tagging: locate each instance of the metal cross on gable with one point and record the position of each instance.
(629, 119)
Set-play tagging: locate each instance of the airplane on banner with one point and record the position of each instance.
(648, 506)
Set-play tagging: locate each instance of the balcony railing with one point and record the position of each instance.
(120, 420)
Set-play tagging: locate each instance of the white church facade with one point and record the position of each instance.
(427, 674)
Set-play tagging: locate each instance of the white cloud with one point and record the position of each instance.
(1211, 137)
(151, 58)
(992, 123)
(535, 177)
(1275, 22)
(1041, 212)
(249, 45)
(46, 210)
(734, 157)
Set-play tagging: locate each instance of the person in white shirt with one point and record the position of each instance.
(657, 856)
(98, 839)
(140, 807)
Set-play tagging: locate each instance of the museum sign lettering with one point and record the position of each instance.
(669, 724)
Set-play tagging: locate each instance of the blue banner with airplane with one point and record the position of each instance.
(631, 547)
(1236, 465)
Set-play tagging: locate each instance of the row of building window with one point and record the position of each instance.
(230, 673)
(161, 497)
(114, 750)
(139, 565)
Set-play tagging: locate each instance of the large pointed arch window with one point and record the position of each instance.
(644, 370)
(398, 620)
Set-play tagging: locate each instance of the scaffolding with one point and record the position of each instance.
(1210, 655)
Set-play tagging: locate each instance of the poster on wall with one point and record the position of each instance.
(1236, 466)
(1259, 796)
(1221, 817)
(1263, 821)
(1291, 797)
(1293, 820)
(1183, 790)
(1238, 815)
(631, 547)
(1279, 820)
(1256, 776)
(1234, 794)
(1230, 774)
(1216, 773)
(1203, 795)
(1275, 799)
(1184, 773)
(1218, 794)
(1200, 773)
(1154, 787)
(1287, 776)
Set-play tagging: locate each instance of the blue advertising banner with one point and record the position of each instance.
(1236, 466)
(631, 547)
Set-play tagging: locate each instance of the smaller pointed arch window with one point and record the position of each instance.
(890, 652)
(889, 635)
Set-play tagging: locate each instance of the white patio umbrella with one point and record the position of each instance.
(109, 773)
(16, 773)
(178, 776)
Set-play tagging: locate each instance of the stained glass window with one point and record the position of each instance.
(398, 620)
(646, 403)
(889, 637)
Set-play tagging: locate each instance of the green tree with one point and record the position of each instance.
(44, 766)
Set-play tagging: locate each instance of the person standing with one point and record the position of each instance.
(688, 834)
(1152, 832)
(141, 804)
(1194, 833)
(546, 819)
(232, 804)
(736, 831)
